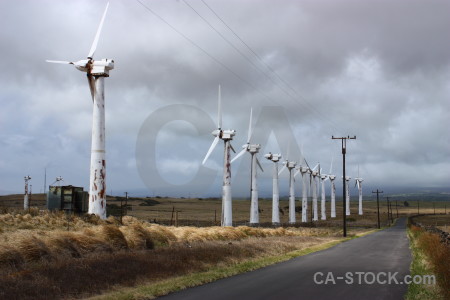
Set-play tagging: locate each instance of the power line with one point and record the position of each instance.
(223, 65)
(197, 46)
(307, 104)
(237, 49)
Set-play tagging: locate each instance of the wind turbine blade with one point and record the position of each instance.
(249, 134)
(97, 35)
(296, 172)
(315, 167)
(91, 82)
(239, 154)
(59, 62)
(259, 165)
(282, 169)
(356, 183)
(213, 145)
(219, 109)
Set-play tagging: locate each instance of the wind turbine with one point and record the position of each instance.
(226, 136)
(314, 175)
(323, 178)
(253, 149)
(347, 195)
(275, 158)
(96, 71)
(26, 201)
(304, 169)
(58, 181)
(358, 182)
(290, 165)
(333, 190)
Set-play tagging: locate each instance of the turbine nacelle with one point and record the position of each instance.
(332, 177)
(303, 169)
(347, 178)
(252, 148)
(224, 134)
(102, 67)
(273, 157)
(291, 164)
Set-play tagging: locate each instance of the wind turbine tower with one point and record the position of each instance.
(96, 71)
(333, 190)
(275, 158)
(290, 165)
(323, 178)
(253, 149)
(226, 136)
(304, 170)
(314, 187)
(347, 195)
(358, 182)
(26, 200)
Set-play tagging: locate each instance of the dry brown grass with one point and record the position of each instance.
(46, 237)
(438, 256)
(78, 277)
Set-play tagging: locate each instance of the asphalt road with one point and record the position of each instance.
(376, 254)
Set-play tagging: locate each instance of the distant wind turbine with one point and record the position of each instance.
(253, 149)
(333, 190)
(358, 182)
(226, 136)
(347, 195)
(290, 165)
(275, 158)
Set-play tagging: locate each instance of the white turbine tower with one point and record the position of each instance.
(333, 191)
(323, 178)
(290, 165)
(96, 71)
(304, 169)
(226, 136)
(314, 186)
(347, 195)
(275, 158)
(26, 200)
(253, 149)
(358, 182)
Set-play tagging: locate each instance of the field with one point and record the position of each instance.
(45, 254)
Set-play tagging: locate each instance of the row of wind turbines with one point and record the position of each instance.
(310, 179)
(97, 70)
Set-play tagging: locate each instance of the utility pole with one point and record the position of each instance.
(344, 150)
(378, 205)
(418, 211)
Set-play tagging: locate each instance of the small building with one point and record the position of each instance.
(68, 198)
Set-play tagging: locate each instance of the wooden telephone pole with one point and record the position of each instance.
(344, 150)
(378, 205)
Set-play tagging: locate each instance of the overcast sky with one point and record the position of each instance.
(379, 70)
